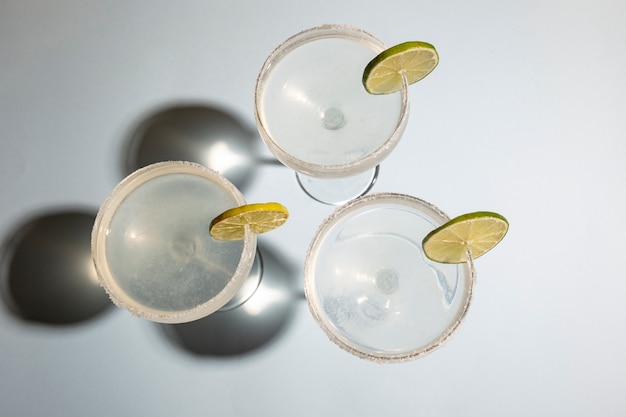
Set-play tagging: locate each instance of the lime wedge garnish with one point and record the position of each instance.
(475, 232)
(414, 60)
(261, 217)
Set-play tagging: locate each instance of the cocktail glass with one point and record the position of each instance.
(153, 251)
(370, 287)
(315, 116)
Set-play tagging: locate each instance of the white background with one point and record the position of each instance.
(524, 116)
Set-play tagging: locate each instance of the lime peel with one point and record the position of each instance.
(472, 233)
(412, 60)
(259, 217)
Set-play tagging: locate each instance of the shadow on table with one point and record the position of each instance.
(47, 274)
(261, 320)
(195, 132)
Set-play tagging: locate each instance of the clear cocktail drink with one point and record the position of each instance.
(313, 112)
(370, 287)
(152, 248)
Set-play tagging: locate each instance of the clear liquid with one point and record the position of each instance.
(315, 108)
(158, 244)
(375, 289)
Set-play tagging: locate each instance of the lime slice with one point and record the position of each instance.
(383, 74)
(474, 232)
(261, 217)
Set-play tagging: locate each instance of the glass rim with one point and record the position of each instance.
(99, 254)
(313, 302)
(322, 170)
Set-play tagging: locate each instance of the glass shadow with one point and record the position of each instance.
(250, 326)
(47, 273)
(199, 133)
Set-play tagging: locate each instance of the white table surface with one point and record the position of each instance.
(524, 115)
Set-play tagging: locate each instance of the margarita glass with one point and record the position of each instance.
(315, 116)
(152, 248)
(370, 287)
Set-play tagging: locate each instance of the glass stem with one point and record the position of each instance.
(250, 285)
(337, 191)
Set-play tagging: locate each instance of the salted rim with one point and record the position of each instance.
(321, 170)
(103, 219)
(309, 278)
